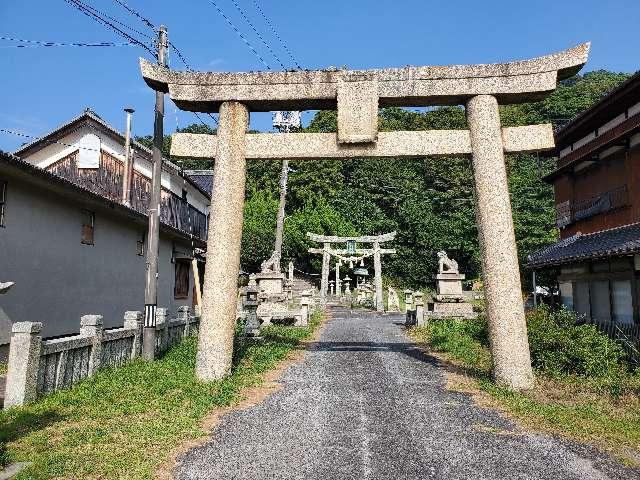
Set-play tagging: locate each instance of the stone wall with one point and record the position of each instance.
(38, 367)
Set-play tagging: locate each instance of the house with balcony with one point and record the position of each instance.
(597, 195)
(74, 243)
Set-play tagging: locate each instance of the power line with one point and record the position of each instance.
(105, 15)
(144, 20)
(24, 135)
(246, 19)
(96, 16)
(41, 43)
(244, 39)
(275, 33)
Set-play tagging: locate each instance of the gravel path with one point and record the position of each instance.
(366, 404)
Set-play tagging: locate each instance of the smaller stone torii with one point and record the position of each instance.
(376, 251)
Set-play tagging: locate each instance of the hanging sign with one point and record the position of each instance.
(351, 247)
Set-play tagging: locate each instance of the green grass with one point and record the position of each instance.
(3, 368)
(584, 408)
(124, 423)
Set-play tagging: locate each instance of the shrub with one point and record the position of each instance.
(560, 347)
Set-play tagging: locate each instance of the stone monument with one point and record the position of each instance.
(450, 300)
(393, 301)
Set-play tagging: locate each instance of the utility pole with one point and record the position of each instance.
(151, 286)
(128, 161)
(283, 121)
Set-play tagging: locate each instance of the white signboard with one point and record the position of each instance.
(89, 154)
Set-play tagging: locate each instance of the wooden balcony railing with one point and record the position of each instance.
(568, 212)
(106, 180)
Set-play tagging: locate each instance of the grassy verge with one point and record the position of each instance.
(600, 411)
(124, 423)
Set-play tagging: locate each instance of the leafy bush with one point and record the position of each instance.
(559, 347)
(464, 339)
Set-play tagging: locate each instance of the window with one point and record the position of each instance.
(622, 301)
(3, 200)
(181, 289)
(581, 299)
(88, 221)
(600, 301)
(566, 294)
(140, 244)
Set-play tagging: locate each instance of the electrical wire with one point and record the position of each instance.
(275, 33)
(41, 43)
(244, 39)
(24, 135)
(95, 15)
(143, 19)
(246, 19)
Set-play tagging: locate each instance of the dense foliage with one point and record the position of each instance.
(560, 347)
(428, 201)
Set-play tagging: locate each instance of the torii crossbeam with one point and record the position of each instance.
(376, 251)
(357, 95)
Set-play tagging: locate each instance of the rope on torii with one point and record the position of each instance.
(346, 255)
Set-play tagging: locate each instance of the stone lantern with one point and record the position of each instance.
(408, 299)
(347, 285)
(332, 287)
(250, 304)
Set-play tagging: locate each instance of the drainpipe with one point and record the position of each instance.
(128, 161)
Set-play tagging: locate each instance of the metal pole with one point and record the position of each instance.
(128, 161)
(284, 176)
(535, 296)
(151, 286)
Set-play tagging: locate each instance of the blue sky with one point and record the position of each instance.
(44, 87)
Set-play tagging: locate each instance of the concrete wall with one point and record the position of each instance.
(58, 279)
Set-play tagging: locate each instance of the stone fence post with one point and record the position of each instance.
(91, 326)
(184, 313)
(24, 362)
(162, 321)
(134, 320)
(419, 308)
(305, 302)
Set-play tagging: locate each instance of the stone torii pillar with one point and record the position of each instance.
(377, 268)
(218, 320)
(505, 309)
(338, 284)
(324, 281)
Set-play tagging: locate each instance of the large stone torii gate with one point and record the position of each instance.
(326, 251)
(358, 94)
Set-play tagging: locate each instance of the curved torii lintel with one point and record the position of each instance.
(385, 237)
(510, 82)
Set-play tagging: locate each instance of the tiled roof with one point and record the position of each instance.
(202, 178)
(607, 243)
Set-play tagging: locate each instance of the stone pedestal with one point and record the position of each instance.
(271, 283)
(450, 309)
(449, 286)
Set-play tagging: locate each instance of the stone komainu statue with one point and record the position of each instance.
(446, 264)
